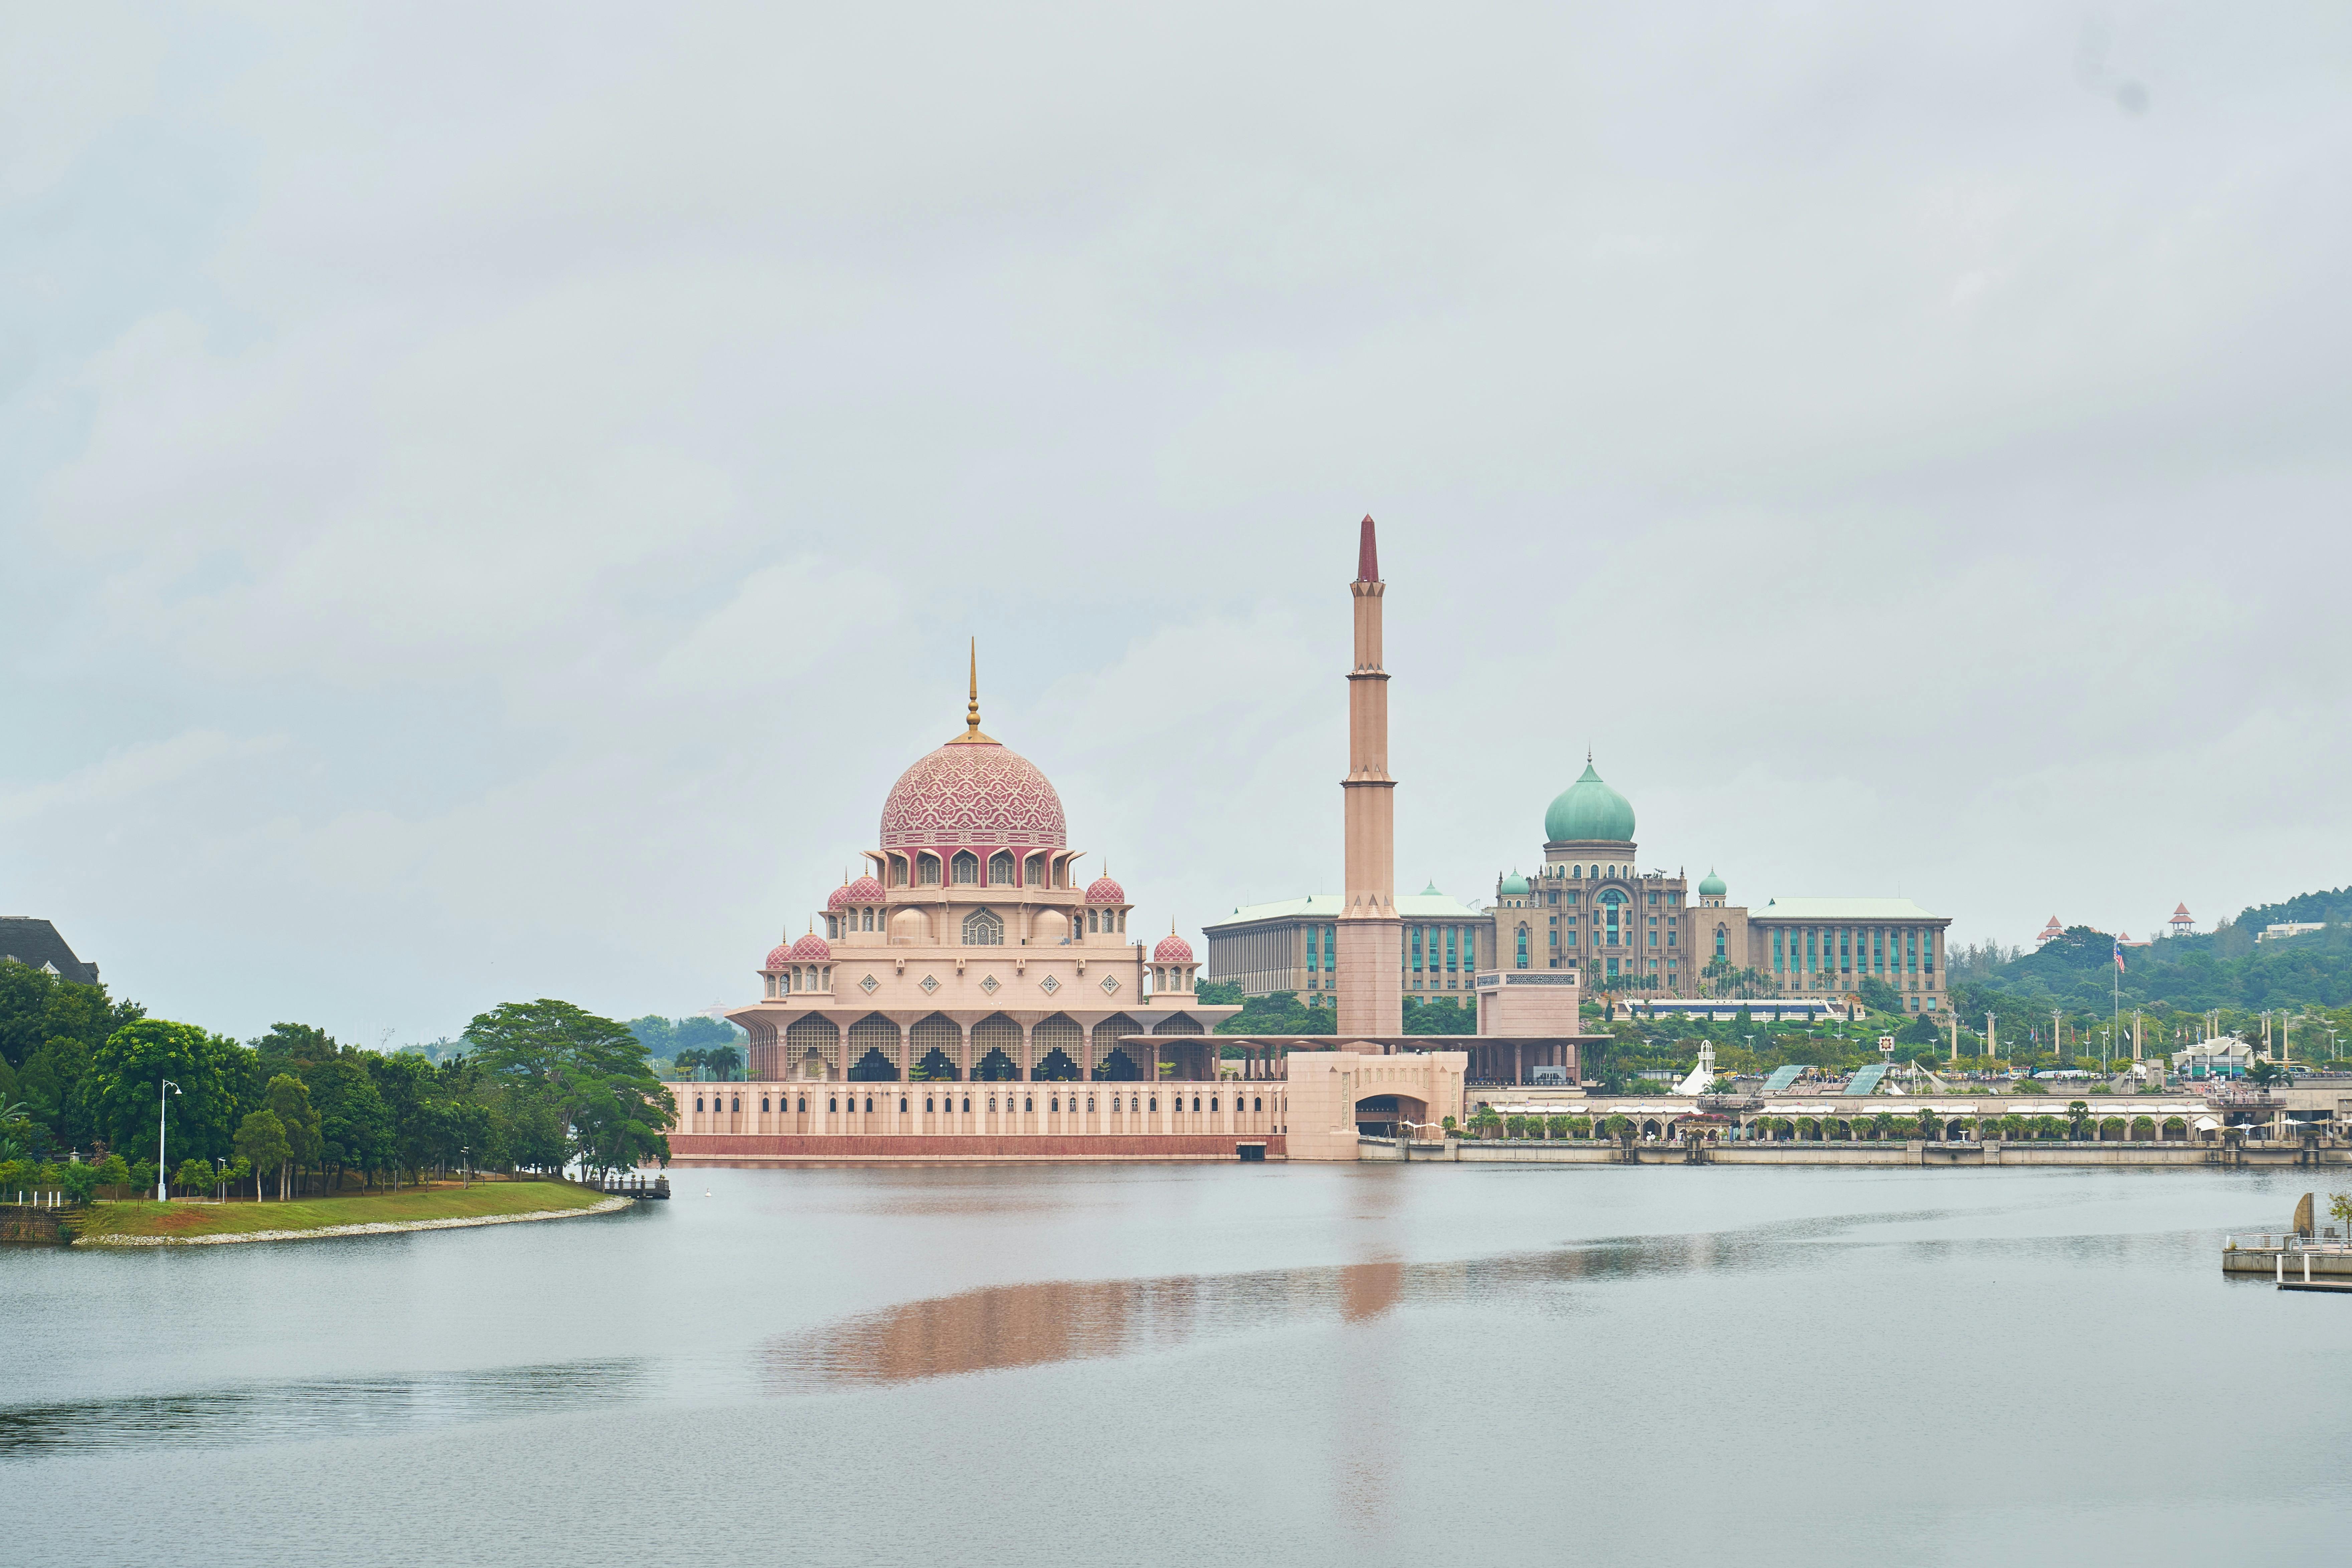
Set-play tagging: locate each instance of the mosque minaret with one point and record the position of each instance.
(1371, 984)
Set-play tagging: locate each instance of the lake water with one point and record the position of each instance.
(1146, 1364)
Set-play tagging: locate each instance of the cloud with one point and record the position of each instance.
(493, 522)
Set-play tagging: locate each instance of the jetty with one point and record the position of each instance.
(2303, 1256)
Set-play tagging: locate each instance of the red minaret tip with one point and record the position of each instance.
(1368, 555)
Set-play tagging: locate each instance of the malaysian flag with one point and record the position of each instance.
(2119, 952)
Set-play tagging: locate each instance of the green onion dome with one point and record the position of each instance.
(1589, 811)
(1711, 886)
(1513, 884)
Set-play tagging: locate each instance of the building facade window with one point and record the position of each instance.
(966, 868)
(999, 870)
(983, 927)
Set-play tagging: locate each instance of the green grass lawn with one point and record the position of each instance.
(237, 1216)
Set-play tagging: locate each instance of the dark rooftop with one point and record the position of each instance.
(36, 943)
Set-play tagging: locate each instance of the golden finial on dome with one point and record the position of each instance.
(972, 735)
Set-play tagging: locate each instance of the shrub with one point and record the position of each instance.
(1557, 1127)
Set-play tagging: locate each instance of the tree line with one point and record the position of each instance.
(538, 1086)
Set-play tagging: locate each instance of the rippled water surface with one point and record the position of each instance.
(1177, 1364)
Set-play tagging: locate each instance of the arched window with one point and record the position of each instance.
(866, 923)
(927, 870)
(831, 1105)
(1094, 920)
(1258, 1104)
(1212, 1103)
(902, 1105)
(1155, 1102)
(967, 1103)
(1028, 1103)
(1090, 1102)
(1523, 947)
(1720, 941)
(738, 1103)
(983, 927)
(763, 1102)
(697, 1102)
(804, 1105)
(1055, 1104)
(967, 867)
(869, 1105)
(927, 1103)
(999, 870)
(1577, 873)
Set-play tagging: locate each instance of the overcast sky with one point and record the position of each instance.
(491, 496)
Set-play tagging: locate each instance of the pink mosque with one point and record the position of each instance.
(969, 1001)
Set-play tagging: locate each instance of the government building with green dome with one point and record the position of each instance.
(1589, 909)
(1589, 912)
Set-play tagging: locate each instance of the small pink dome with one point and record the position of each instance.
(1173, 949)
(865, 890)
(1103, 890)
(778, 957)
(810, 948)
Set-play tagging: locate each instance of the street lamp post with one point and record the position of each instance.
(162, 1166)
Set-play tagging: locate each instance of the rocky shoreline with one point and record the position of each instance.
(387, 1229)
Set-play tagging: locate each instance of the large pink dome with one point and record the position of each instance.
(974, 792)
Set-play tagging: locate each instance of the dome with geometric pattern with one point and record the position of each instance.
(976, 793)
(1173, 949)
(1103, 890)
(778, 957)
(810, 948)
(865, 890)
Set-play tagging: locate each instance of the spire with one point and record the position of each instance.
(1368, 554)
(971, 734)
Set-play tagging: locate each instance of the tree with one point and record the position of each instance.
(585, 1078)
(2077, 1112)
(261, 1145)
(120, 1086)
(2262, 1072)
(289, 1098)
(193, 1175)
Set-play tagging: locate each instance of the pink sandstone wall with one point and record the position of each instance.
(691, 1148)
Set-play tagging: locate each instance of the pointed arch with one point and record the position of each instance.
(935, 1047)
(812, 1047)
(1055, 1045)
(874, 1049)
(995, 1049)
